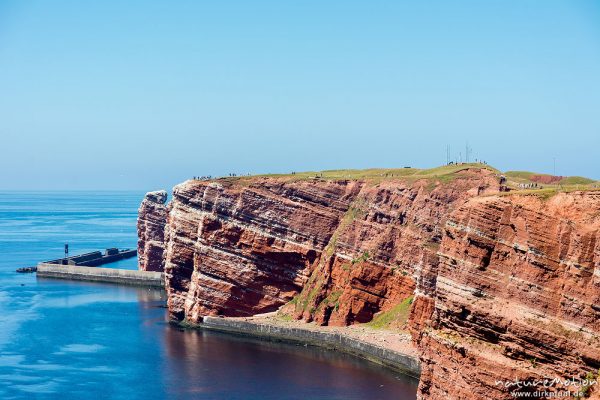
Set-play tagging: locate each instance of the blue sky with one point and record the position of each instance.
(145, 94)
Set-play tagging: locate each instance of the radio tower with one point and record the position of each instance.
(467, 152)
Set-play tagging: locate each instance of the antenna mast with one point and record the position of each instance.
(468, 152)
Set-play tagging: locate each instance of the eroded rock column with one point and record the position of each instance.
(152, 217)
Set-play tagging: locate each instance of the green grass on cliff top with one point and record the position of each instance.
(443, 174)
(380, 173)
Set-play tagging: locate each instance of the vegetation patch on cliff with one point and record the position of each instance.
(311, 297)
(332, 300)
(395, 318)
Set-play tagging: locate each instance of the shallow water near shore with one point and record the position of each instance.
(72, 340)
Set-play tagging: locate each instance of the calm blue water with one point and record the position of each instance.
(76, 340)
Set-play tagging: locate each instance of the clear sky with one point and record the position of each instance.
(145, 94)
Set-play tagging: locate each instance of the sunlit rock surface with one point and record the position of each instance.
(500, 287)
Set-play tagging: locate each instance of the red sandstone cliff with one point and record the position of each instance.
(517, 295)
(504, 287)
(151, 231)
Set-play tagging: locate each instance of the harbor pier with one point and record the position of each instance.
(86, 267)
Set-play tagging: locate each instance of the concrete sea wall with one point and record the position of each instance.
(404, 363)
(112, 275)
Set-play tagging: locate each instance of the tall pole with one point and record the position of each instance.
(467, 152)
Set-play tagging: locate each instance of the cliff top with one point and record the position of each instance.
(519, 182)
(533, 177)
(545, 185)
(444, 173)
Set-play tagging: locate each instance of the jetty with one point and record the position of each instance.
(111, 275)
(86, 267)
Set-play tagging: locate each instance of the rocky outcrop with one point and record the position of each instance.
(500, 287)
(152, 217)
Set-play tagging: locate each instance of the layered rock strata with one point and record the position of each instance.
(500, 287)
(516, 296)
(152, 217)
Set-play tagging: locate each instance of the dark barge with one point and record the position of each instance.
(92, 259)
(95, 258)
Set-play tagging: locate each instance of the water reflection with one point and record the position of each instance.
(73, 338)
(227, 366)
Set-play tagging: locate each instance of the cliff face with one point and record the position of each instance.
(375, 254)
(239, 250)
(500, 287)
(517, 295)
(151, 231)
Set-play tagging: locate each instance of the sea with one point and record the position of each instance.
(62, 339)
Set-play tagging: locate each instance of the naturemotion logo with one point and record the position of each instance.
(549, 388)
